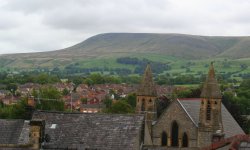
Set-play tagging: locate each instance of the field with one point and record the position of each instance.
(185, 54)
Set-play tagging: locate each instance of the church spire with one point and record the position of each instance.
(145, 102)
(211, 88)
(147, 87)
(210, 117)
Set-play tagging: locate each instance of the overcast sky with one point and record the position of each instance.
(42, 25)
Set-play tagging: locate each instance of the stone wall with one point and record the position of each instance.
(175, 112)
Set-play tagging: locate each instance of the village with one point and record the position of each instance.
(83, 98)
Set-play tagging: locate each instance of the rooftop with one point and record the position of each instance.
(96, 131)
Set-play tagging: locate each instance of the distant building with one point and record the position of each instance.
(92, 108)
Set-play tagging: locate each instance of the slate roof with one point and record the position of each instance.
(192, 107)
(93, 106)
(244, 145)
(14, 131)
(211, 88)
(93, 131)
(147, 87)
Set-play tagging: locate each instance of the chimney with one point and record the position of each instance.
(218, 136)
(37, 129)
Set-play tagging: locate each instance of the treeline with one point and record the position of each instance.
(179, 79)
(25, 77)
(97, 78)
(157, 67)
(11, 81)
(73, 69)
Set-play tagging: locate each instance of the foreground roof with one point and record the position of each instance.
(192, 107)
(95, 131)
(14, 131)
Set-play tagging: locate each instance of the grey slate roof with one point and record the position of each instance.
(11, 131)
(93, 106)
(244, 145)
(231, 127)
(95, 131)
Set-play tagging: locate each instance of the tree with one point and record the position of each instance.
(65, 92)
(12, 87)
(235, 107)
(17, 111)
(84, 100)
(108, 102)
(45, 78)
(131, 100)
(49, 98)
(120, 107)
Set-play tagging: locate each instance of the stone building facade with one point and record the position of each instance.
(186, 123)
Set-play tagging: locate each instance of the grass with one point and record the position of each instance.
(178, 65)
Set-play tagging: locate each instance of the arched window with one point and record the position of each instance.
(175, 134)
(208, 114)
(184, 140)
(164, 138)
(143, 105)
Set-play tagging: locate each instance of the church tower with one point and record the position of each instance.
(145, 101)
(210, 120)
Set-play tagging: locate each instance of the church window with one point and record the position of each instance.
(215, 102)
(184, 140)
(175, 134)
(208, 114)
(150, 100)
(164, 138)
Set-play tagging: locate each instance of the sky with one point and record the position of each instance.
(44, 25)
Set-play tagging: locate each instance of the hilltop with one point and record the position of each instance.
(115, 45)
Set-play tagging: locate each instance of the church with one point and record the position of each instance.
(188, 123)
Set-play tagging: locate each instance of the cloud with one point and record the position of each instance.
(41, 25)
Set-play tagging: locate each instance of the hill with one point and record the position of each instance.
(113, 45)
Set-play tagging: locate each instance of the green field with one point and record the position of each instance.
(185, 54)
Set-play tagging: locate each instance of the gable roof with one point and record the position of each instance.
(192, 107)
(147, 87)
(95, 131)
(13, 131)
(211, 88)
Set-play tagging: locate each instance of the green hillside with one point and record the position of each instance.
(176, 50)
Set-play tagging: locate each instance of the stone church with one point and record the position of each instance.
(189, 123)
